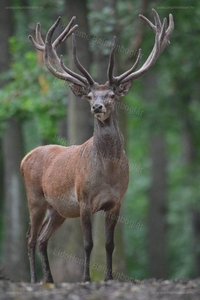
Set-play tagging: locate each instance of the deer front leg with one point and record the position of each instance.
(110, 222)
(85, 216)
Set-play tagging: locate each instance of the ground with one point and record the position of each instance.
(113, 290)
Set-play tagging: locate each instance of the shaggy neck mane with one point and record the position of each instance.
(108, 140)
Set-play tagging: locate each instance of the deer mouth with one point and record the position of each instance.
(102, 116)
(100, 113)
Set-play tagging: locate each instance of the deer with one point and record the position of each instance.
(76, 182)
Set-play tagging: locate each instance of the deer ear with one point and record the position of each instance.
(123, 88)
(79, 91)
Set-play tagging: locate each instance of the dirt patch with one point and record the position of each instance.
(113, 290)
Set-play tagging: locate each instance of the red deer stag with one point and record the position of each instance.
(71, 182)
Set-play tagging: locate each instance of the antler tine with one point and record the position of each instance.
(73, 74)
(53, 27)
(50, 33)
(38, 35)
(149, 23)
(157, 20)
(162, 35)
(158, 47)
(163, 29)
(79, 65)
(38, 44)
(49, 52)
(125, 74)
(171, 26)
(111, 63)
(58, 74)
(49, 49)
(66, 32)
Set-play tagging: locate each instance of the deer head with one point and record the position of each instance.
(102, 98)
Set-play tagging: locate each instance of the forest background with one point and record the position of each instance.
(158, 232)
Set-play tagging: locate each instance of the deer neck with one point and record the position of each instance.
(108, 139)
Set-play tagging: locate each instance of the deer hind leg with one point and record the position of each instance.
(110, 222)
(85, 216)
(37, 214)
(50, 225)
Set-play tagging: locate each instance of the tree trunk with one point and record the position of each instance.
(1, 204)
(157, 209)
(79, 119)
(6, 28)
(158, 192)
(98, 254)
(15, 207)
(14, 245)
(66, 251)
(190, 159)
(195, 219)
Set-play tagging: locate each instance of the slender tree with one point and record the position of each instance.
(101, 57)
(14, 248)
(79, 128)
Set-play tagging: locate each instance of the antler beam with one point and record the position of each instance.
(55, 64)
(162, 35)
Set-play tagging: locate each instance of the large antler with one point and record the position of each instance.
(50, 56)
(162, 35)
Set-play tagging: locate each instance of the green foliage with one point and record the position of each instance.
(174, 111)
(29, 93)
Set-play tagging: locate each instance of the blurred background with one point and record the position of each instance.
(158, 232)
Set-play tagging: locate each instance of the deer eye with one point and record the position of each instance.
(112, 96)
(89, 97)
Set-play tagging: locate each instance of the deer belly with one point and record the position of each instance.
(66, 205)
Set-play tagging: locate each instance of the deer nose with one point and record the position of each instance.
(97, 108)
